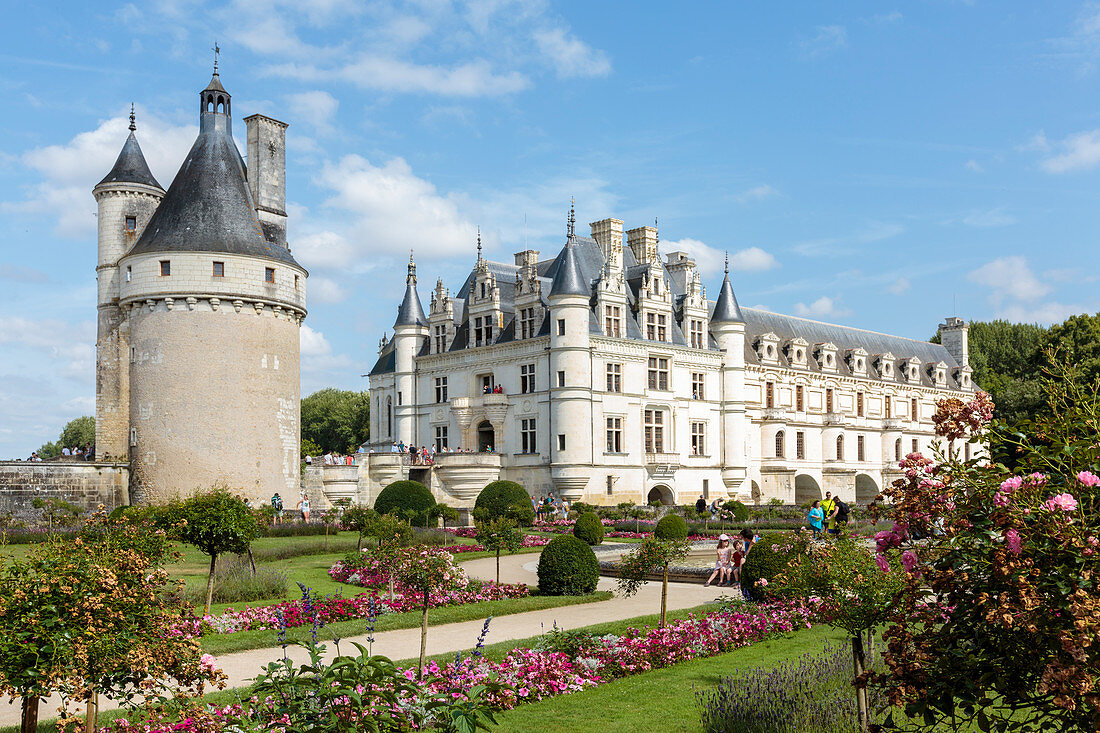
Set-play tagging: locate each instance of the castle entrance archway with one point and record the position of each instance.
(486, 437)
(806, 489)
(662, 494)
(866, 489)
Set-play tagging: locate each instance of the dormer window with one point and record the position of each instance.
(912, 370)
(885, 363)
(131, 223)
(826, 356)
(938, 372)
(796, 351)
(767, 348)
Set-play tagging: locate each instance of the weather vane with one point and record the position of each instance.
(216, 51)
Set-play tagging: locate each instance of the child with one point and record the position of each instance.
(737, 560)
(722, 562)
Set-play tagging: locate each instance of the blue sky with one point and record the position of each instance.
(865, 163)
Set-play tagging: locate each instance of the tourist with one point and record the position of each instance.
(816, 518)
(304, 506)
(393, 448)
(749, 538)
(66, 452)
(701, 505)
(721, 562)
(713, 510)
(828, 507)
(277, 505)
(839, 519)
(564, 508)
(737, 559)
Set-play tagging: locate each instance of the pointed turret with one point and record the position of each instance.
(726, 309)
(130, 167)
(568, 278)
(411, 313)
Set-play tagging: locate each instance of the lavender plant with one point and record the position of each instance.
(812, 694)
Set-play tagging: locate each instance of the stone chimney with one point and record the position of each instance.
(267, 174)
(608, 233)
(953, 335)
(643, 242)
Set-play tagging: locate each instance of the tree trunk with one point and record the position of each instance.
(251, 561)
(498, 566)
(664, 596)
(30, 715)
(423, 636)
(210, 583)
(359, 543)
(91, 718)
(859, 664)
(326, 537)
(870, 648)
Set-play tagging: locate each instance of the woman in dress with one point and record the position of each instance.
(722, 562)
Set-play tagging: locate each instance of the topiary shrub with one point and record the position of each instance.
(505, 499)
(767, 558)
(589, 528)
(567, 567)
(409, 500)
(671, 527)
(740, 511)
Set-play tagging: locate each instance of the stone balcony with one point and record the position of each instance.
(464, 475)
(775, 414)
(892, 423)
(662, 465)
(836, 418)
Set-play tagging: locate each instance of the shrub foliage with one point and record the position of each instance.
(769, 557)
(409, 500)
(589, 528)
(671, 527)
(567, 567)
(505, 500)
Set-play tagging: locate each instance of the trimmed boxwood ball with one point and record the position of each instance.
(567, 567)
(505, 499)
(671, 527)
(589, 528)
(767, 558)
(739, 510)
(405, 495)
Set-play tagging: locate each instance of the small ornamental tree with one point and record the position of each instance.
(390, 535)
(671, 527)
(409, 500)
(651, 555)
(444, 512)
(215, 522)
(497, 535)
(356, 518)
(999, 621)
(94, 616)
(425, 570)
(589, 528)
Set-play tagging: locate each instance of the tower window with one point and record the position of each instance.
(269, 274)
(779, 444)
(840, 447)
(295, 282)
(131, 223)
(561, 326)
(561, 379)
(129, 273)
(219, 269)
(165, 268)
(561, 442)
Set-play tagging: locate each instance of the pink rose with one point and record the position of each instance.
(1088, 478)
(883, 563)
(1065, 502)
(762, 582)
(1012, 541)
(1000, 499)
(1011, 484)
(208, 663)
(909, 560)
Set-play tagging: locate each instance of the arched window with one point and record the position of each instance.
(779, 440)
(221, 105)
(210, 103)
(897, 449)
(840, 447)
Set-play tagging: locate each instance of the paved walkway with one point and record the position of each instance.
(241, 667)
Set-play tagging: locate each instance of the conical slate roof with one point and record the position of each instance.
(130, 167)
(726, 309)
(208, 207)
(568, 279)
(410, 313)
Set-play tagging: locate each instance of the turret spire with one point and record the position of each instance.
(727, 262)
(572, 226)
(133, 125)
(479, 244)
(216, 51)
(411, 277)
(726, 309)
(411, 313)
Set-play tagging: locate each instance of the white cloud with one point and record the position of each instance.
(821, 308)
(826, 39)
(1079, 152)
(899, 286)
(752, 259)
(19, 273)
(69, 172)
(710, 259)
(1041, 313)
(317, 108)
(997, 217)
(570, 56)
(1009, 278)
(317, 353)
(974, 166)
(325, 290)
(71, 346)
(757, 193)
(1038, 142)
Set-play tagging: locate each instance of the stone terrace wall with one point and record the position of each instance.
(86, 484)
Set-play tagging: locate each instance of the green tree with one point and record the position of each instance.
(1077, 341)
(215, 522)
(497, 535)
(336, 420)
(49, 450)
(78, 432)
(651, 555)
(357, 518)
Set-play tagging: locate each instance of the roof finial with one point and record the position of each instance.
(412, 268)
(572, 231)
(479, 244)
(133, 126)
(727, 262)
(657, 234)
(216, 51)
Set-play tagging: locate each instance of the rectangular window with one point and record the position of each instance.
(860, 448)
(526, 378)
(133, 436)
(610, 482)
(914, 410)
(561, 442)
(527, 435)
(613, 317)
(829, 400)
(662, 327)
(269, 274)
(799, 398)
(527, 323)
(614, 435)
(859, 404)
(219, 269)
(698, 439)
(561, 379)
(295, 282)
(706, 488)
(440, 338)
(614, 377)
(654, 431)
(651, 326)
(800, 445)
(133, 354)
(398, 398)
(440, 437)
(561, 326)
(479, 332)
(697, 383)
(487, 383)
(440, 389)
(916, 446)
(769, 394)
(129, 273)
(696, 331)
(131, 223)
(165, 268)
(886, 407)
(658, 373)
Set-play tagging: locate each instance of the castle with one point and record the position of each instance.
(604, 374)
(200, 303)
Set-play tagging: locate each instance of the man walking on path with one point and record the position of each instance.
(827, 508)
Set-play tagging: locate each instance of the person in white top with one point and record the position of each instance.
(304, 506)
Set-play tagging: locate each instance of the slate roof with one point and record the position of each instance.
(568, 278)
(410, 313)
(130, 167)
(726, 309)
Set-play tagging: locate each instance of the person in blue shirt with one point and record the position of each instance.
(816, 518)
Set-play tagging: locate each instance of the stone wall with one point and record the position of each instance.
(85, 484)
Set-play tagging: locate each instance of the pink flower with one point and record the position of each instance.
(1088, 478)
(762, 582)
(1011, 484)
(1012, 541)
(909, 560)
(208, 663)
(883, 563)
(1000, 499)
(1065, 502)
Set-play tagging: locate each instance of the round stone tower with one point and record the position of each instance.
(213, 310)
(728, 326)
